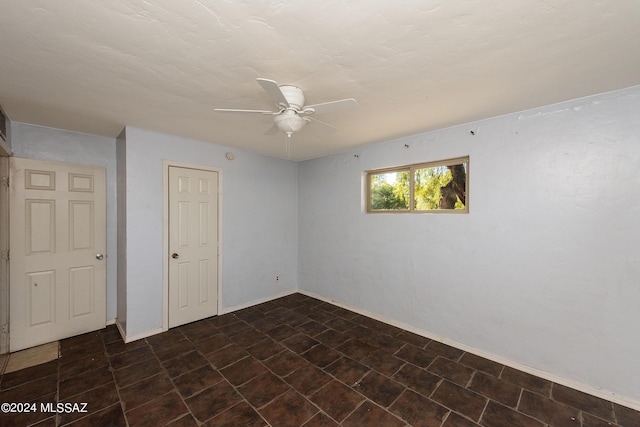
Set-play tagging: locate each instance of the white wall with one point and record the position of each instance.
(543, 271)
(259, 224)
(41, 143)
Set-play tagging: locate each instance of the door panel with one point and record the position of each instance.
(81, 291)
(41, 304)
(80, 225)
(193, 245)
(58, 227)
(40, 227)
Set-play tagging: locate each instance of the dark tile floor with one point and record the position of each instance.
(293, 361)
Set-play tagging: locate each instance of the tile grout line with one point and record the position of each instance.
(113, 375)
(517, 407)
(164, 369)
(486, 404)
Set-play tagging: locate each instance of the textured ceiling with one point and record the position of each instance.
(413, 65)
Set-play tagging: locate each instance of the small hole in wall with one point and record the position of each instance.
(472, 132)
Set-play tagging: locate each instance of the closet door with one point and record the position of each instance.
(193, 245)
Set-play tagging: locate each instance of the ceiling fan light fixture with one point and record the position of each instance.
(291, 115)
(289, 122)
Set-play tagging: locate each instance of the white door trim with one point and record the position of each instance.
(5, 152)
(165, 234)
(4, 254)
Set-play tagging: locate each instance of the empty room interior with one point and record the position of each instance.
(279, 213)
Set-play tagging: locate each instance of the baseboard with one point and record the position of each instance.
(130, 338)
(145, 334)
(603, 394)
(259, 301)
(120, 327)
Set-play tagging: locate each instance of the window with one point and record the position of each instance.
(422, 187)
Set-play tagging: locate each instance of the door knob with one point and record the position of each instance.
(99, 256)
(175, 255)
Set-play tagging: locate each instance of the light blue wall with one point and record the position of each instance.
(41, 143)
(542, 271)
(259, 223)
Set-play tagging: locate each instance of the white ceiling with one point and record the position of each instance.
(412, 65)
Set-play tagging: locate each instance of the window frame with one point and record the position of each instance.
(411, 168)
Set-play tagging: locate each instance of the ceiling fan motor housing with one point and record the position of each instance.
(294, 96)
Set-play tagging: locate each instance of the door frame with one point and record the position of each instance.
(4, 252)
(5, 153)
(165, 234)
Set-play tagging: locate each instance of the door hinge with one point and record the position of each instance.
(5, 181)
(5, 255)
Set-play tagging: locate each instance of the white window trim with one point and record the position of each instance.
(411, 169)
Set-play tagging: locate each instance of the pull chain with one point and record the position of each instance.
(288, 145)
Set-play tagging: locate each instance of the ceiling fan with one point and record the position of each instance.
(291, 114)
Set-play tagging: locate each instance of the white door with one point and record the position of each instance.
(193, 245)
(57, 249)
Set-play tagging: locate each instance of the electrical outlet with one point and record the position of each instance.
(277, 278)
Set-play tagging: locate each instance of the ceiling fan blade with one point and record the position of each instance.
(320, 125)
(331, 107)
(231, 110)
(273, 90)
(272, 130)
